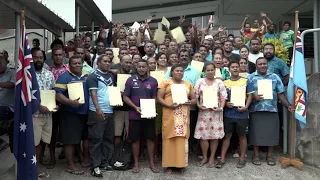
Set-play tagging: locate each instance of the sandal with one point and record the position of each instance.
(271, 161)
(211, 165)
(241, 164)
(43, 175)
(135, 170)
(75, 172)
(168, 171)
(154, 170)
(220, 165)
(200, 164)
(256, 160)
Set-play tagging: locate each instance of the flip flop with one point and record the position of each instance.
(256, 160)
(211, 165)
(135, 170)
(220, 165)
(271, 161)
(43, 175)
(168, 171)
(241, 164)
(75, 172)
(154, 170)
(200, 164)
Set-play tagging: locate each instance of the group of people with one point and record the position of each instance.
(91, 130)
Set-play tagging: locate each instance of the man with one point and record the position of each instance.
(36, 44)
(100, 117)
(237, 43)
(87, 43)
(276, 65)
(271, 33)
(246, 29)
(287, 36)
(162, 48)
(223, 38)
(149, 48)
(42, 119)
(207, 43)
(100, 50)
(133, 49)
(80, 51)
(57, 68)
(7, 94)
(235, 118)
(173, 46)
(132, 40)
(227, 48)
(123, 52)
(74, 115)
(121, 114)
(189, 48)
(264, 120)
(167, 40)
(141, 86)
(255, 53)
(217, 43)
(119, 34)
(206, 54)
(123, 44)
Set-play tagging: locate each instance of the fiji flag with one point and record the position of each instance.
(299, 80)
(26, 103)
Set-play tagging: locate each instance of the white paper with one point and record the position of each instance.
(179, 93)
(148, 108)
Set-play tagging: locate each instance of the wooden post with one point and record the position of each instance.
(291, 161)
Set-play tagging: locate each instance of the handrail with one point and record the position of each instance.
(316, 58)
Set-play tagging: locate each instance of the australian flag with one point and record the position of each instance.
(298, 81)
(27, 102)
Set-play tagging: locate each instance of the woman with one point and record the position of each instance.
(218, 63)
(218, 50)
(209, 126)
(162, 63)
(244, 53)
(172, 58)
(243, 69)
(175, 117)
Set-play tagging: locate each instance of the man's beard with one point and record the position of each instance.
(269, 56)
(38, 65)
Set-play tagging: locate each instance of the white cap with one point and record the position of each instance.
(208, 37)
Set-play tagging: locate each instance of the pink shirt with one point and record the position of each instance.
(57, 71)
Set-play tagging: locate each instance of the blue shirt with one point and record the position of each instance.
(270, 36)
(278, 66)
(190, 75)
(137, 89)
(209, 57)
(277, 88)
(61, 88)
(236, 51)
(100, 81)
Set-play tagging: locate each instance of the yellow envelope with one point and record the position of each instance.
(210, 97)
(218, 73)
(197, 65)
(159, 36)
(75, 91)
(165, 22)
(238, 96)
(179, 93)
(265, 88)
(121, 81)
(116, 59)
(115, 96)
(158, 75)
(48, 99)
(148, 108)
(178, 34)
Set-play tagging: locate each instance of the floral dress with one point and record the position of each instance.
(210, 123)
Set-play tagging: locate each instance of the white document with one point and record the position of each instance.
(179, 93)
(148, 108)
(115, 96)
(48, 99)
(210, 97)
(265, 88)
(238, 96)
(75, 91)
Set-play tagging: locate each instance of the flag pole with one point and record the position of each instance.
(291, 161)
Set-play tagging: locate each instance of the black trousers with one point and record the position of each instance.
(101, 137)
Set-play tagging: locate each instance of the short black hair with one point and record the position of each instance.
(101, 57)
(36, 39)
(143, 61)
(56, 41)
(110, 50)
(174, 67)
(227, 41)
(33, 50)
(184, 51)
(269, 44)
(75, 57)
(288, 23)
(207, 64)
(253, 39)
(203, 47)
(232, 62)
(159, 55)
(260, 59)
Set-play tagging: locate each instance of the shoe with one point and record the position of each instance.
(106, 168)
(96, 172)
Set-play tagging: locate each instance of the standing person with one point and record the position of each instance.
(80, 51)
(175, 116)
(36, 44)
(255, 53)
(244, 54)
(236, 119)
(100, 117)
(264, 119)
(100, 50)
(42, 119)
(152, 63)
(162, 63)
(172, 58)
(287, 36)
(218, 64)
(209, 126)
(227, 51)
(74, 114)
(237, 43)
(57, 68)
(140, 86)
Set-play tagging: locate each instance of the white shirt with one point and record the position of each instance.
(95, 64)
(253, 57)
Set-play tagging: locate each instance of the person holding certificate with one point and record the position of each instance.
(218, 63)
(264, 119)
(236, 114)
(100, 117)
(42, 119)
(175, 121)
(74, 114)
(209, 126)
(141, 86)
